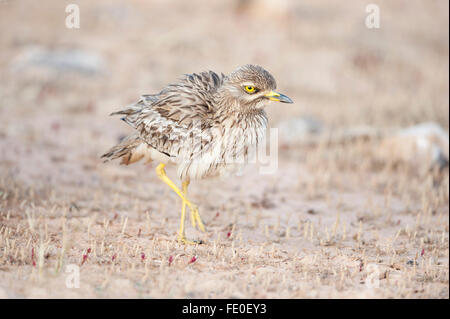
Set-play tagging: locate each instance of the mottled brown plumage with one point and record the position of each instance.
(192, 117)
(204, 124)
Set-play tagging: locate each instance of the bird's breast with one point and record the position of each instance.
(232, 145)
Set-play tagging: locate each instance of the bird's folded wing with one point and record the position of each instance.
(179, 118)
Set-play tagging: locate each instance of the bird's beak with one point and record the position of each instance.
(275, 96)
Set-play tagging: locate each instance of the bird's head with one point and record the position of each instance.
(252, 86)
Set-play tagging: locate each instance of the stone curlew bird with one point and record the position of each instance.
(202, 124)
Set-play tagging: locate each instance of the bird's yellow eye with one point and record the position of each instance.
(250, 89)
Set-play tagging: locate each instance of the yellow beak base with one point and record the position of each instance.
(275, 96)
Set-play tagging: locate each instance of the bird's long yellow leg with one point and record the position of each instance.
(181, 235)
(195, 216)
(162, 175)
(194, 210)
(185, 185)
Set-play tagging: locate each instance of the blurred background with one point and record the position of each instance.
(336, 69)
(371, 111)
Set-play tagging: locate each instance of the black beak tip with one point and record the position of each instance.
(285, 99)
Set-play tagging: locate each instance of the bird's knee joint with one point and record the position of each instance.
(160, 170)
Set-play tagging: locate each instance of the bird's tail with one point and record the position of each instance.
(127, 149)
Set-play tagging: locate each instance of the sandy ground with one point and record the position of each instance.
(336, 220)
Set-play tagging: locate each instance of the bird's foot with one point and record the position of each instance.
(185, 241)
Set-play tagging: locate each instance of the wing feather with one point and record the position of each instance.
(180, 112)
